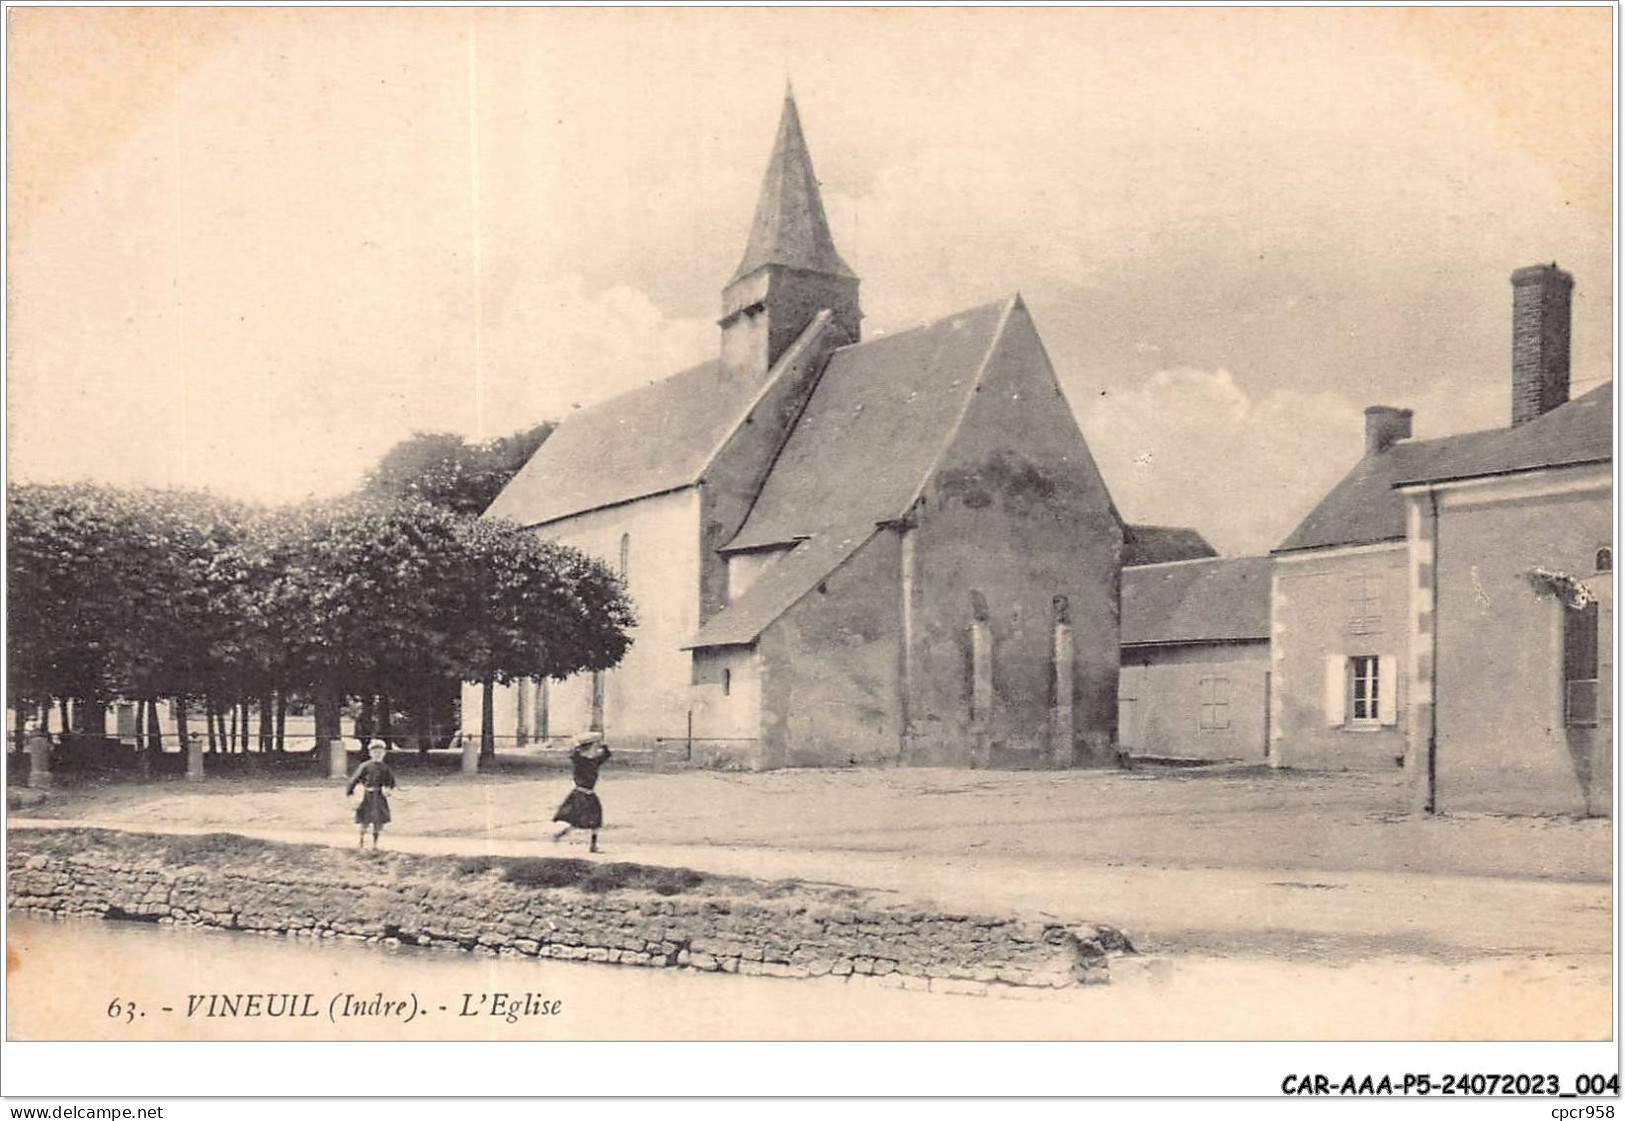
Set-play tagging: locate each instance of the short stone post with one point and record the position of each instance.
(39, 761)
(471, 755)
(194, 757)
(337, 758)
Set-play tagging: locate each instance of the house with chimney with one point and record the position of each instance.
(1447, 607)
(1510, 553)
(841, 550)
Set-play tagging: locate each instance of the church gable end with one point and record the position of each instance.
(1017, 532)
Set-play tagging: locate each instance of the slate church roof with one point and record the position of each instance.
(651, 440)
(782, 586)
(874, 428)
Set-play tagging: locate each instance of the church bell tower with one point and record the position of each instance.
(790, 270)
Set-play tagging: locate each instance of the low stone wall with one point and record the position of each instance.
(570, 910)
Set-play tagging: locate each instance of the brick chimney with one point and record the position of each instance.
(1540, 340)
(1385, 426)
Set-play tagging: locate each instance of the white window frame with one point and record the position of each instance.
(1372, 701)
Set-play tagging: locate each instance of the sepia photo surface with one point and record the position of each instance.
(841, 524)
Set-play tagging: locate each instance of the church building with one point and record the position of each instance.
(841, 551)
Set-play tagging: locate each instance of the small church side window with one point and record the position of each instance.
(626, 553)
(727, 682)
(1605, 559)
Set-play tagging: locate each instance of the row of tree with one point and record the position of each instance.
(208, 602)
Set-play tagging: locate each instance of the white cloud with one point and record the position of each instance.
(552, 345)
(1191, 447)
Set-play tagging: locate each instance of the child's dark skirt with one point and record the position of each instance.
(581, 809)
(373, 810)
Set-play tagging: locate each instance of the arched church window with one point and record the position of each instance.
(1605, 559)
(626, 553)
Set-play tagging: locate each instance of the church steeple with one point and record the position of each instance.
(790, 227)
(791, 269)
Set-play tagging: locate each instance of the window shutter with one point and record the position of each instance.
(1387, 690)
(1336, 690)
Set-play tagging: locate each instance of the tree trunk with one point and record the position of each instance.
(267, 722)
(366, 721)
(488, 733)
(155, 727)
(281, 721)
(386, 722)
(93, 716)
(423, 718)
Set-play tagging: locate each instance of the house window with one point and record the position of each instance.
(1364, 603)
(1580, 666)
(1605, 559)
(1364, 689)
(1215, 692)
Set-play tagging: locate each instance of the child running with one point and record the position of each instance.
(582, 809)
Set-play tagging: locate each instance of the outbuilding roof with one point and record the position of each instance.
(1216, 599)
(1154, 544)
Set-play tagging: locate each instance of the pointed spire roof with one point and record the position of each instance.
(790, 227)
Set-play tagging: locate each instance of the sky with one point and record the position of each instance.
(251, 249)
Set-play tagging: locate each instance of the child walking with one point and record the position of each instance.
(581, 809)
(374, 776)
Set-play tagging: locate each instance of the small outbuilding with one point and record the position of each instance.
(1195, 674)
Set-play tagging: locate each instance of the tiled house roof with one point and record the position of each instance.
(1219, 599)
(1581, 431)
(1365, 509)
